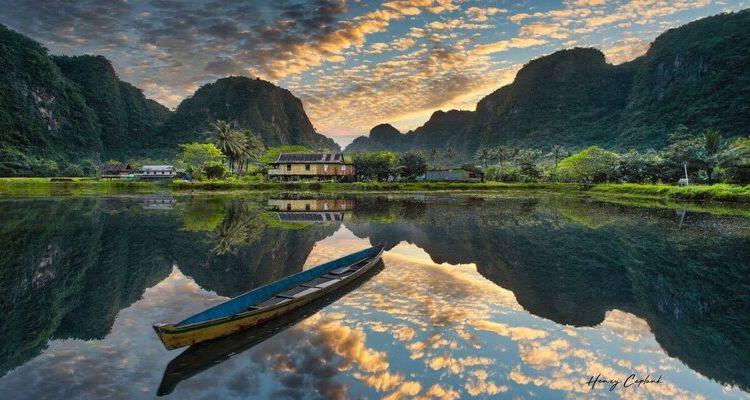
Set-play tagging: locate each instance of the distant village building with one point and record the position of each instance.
(453, 175)
(318, 166)
(158, 172)
(116, 171)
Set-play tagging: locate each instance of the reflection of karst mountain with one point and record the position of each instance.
(572, 261)
(68, 266)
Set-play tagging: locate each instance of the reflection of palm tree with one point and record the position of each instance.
(239, 227)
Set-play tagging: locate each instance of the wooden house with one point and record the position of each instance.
(157, 172)
(453, 175)
(116, 171)
(315, 166)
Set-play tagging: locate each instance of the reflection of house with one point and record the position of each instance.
(116, 171)
(310, 210)
(157, 172)
(453, 175)
(311, 204)
(320, 166)
(159, 203)
(311, 216)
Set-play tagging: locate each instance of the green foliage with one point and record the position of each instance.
(411, 166)
(195, 157)
(648, 166)
(592, 164)
(378, 166)
(215, 170)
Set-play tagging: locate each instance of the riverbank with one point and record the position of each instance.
(89, 186)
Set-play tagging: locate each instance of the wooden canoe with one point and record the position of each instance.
(268, 302)
(205, 355)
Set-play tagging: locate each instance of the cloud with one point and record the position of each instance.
(478, 14)
(626, 49)
(505, 45)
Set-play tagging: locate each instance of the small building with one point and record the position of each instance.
(318, 166)
(158, 172)
(116, 171)
(453, 175)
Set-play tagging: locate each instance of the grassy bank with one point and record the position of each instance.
(88, 186)
(717, 192)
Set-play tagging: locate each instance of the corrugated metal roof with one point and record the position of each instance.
(296, 158)
(157, 167)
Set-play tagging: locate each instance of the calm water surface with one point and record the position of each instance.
(495, 297)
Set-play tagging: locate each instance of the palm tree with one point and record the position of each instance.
(252, 150)
(229, 141)
(450, 154)
(484, 154)
(501, 154)
(557, 154)
(712, 146)
(435, 155)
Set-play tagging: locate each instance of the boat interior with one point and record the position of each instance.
(318, 283)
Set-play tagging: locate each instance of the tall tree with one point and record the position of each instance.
(483, 155)
(230, 141)
(501, 154)
(712, 146)
(450, 154)
(557, 153)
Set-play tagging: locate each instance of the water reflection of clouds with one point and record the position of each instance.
(417, 329)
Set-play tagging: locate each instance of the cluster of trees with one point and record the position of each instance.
(230, 152)
(14, 162)
(387, 165)
(708, 158)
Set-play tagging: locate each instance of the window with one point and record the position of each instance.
(307, 207)
(289, 206)
(289, 167)
(343, 168)
(307, 167)
(325, 167)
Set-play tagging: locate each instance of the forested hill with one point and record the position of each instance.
(273, 113)
(62, 115)
(44, 118)
(697, 75)
(128, 120)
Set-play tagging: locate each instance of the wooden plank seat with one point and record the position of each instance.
(271, 302)
(298, 291)
(359, 265)
(321, 282)
(340, 271)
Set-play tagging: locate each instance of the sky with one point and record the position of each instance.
(354, 63)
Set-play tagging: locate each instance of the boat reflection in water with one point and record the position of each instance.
(310, 210)
(202, 356)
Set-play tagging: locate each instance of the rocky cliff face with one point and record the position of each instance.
(695, 75)
(271, 112)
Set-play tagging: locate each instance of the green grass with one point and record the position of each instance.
(717, 192)
(89, 186)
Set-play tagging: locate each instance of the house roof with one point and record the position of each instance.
(116, 167)
(157, 167)
(306, 158)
